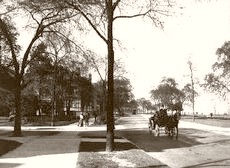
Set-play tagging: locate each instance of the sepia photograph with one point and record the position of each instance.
(114, 83)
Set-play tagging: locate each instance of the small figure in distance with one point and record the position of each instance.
(80, 124)
(87, 116)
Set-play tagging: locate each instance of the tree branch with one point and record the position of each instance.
(116, 4)
(88, 20)
(131, 16)
(5, 31)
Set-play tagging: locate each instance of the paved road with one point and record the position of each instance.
(197, 146)
(60, 147)
(44, 146)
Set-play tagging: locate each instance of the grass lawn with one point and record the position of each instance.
(92, 154)
(210, 121)
(121, 159)
(7, 145)
(126, 154)
(47, 122)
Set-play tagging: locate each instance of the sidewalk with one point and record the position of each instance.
(49, 149)
(214, 129)
(58, 147)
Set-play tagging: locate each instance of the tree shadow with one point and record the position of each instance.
(8, 145)
(216, 163)
(141, 139)
(100, 146)
(39, 133)
(97, 142)
(9, 165)
(150, 143)
(36, 143)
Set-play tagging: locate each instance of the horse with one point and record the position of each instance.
(172, 124)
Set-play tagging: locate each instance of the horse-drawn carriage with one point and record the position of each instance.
(161, 120)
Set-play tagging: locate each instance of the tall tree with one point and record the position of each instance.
(86, 92)
(145, 104)
(101, 15)
(122, 93)
(167, 93)
(218, 81)
(44, 18)
(99, 66)
(36, 76)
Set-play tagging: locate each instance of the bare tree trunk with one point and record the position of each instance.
(17, 123)
(110, 117)
(193, 92)
(104, 102)
(53, 105)
(54, 101)
(40, 99)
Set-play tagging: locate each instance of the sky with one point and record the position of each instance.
(152, 53)
(193, 33)
(149, 53)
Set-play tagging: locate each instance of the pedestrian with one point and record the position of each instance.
(95, 116)
(80, 124)
(87, 119)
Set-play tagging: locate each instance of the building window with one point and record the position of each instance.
(77, 105)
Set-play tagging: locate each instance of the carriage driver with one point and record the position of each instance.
(162, 109)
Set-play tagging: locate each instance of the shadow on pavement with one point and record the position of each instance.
(217, 163)
(150, 143)
(37, 143)
(30, 133)
(100, 146)
(9, 165)
(141, 137)
(8, 145)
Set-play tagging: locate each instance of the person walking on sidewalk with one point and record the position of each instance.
(86, 118)
(80, 124)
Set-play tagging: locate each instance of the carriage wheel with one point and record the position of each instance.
(173, 132)
(169, 131)
(166, 130)
(176, 132)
